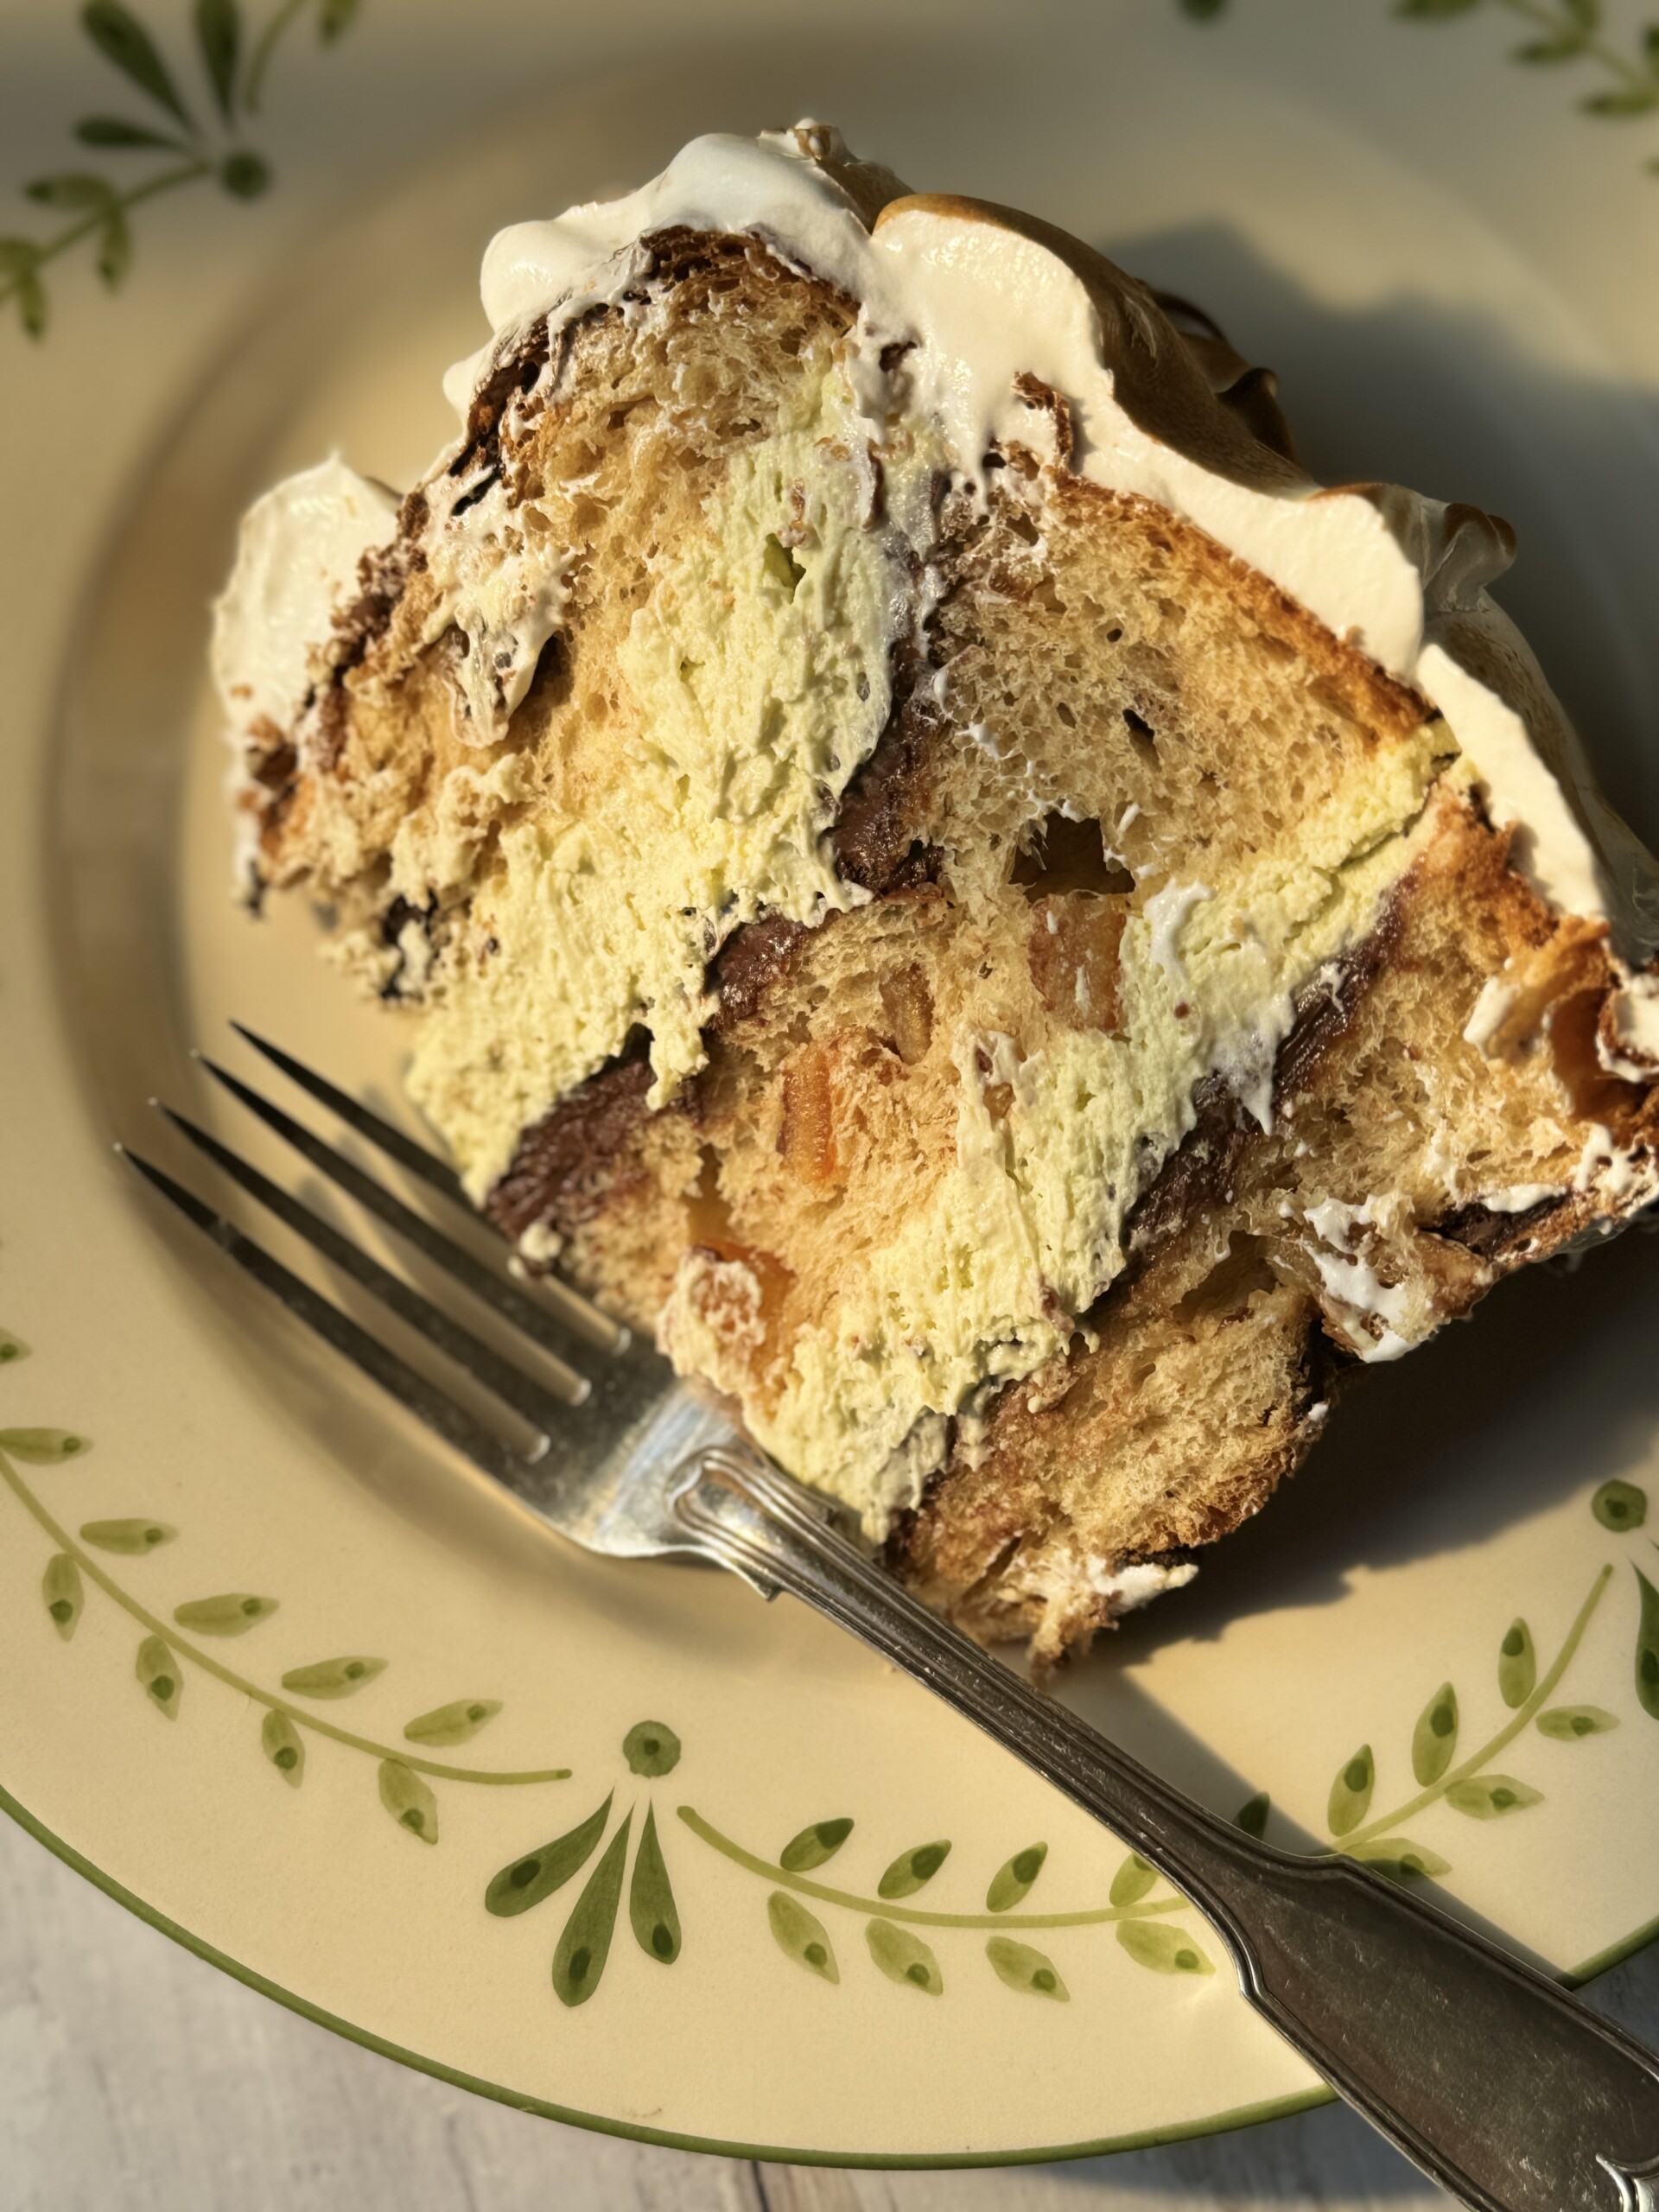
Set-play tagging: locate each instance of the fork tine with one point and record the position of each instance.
(552, 1333)
(595, 1325)
(392, 1141)
(435, 1408)
(537, 1405)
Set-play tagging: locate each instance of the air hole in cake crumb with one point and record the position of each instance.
(551, 680)
(780, 563)
(1062, 856)
(1227, 1289)
(1063, 715)
(1141, 735)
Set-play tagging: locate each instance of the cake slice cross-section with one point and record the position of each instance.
(928, 864)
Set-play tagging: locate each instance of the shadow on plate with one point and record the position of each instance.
(1549, 1388)
(1410, 392)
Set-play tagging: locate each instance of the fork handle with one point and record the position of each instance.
(1499, 2085)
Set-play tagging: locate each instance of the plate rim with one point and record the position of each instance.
(1221, 2123)
(1254, 2115)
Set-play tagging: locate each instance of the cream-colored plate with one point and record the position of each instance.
(303, 1690)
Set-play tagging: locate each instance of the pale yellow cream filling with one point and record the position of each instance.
(758, 673)
(1027, 1228)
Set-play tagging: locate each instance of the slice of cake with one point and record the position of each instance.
(929, 864)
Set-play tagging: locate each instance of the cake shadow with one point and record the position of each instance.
(1549, 1388)
(1410, 391)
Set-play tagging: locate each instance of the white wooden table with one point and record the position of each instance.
(134, 2078)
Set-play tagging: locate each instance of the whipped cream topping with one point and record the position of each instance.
(296, 562)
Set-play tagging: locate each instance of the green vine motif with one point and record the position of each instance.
(652, 1749)
(1140, 1914)
(1138, 1917)
(1559, 31)
(1472, 1787)
(404, 1772)
(234, 59)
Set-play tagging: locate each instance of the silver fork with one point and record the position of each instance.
(1502, 2088)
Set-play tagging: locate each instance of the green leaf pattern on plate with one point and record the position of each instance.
(161, 1657)
(814, 1845)
(652, 1749)
(801, 1936)
(1490, 1796)
(219, 34)
(911, 1871)
(158, 1671)
(524, 1882)
(333, 1678)
(651, 1911)
(1517, 1665)
(904, 1958)
(133, 1537)
(1647, 1648)
(98, 208)
(1400, 1859)
(1572, 31)
(283, 1745)
(121, 38)
(64, 1596)
(1133, 1879)
(1166, 1950)
(232, 1613)
(579, 1961)
(407, 1798)
(1435, 1737)
(1025, 1969)
(1350, 1793)
(1011, 1884)
(1568, 1723)
(1252, 1814)
(42, 1447)
(453, 1724)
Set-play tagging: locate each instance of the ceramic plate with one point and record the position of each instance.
(623, 1844)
